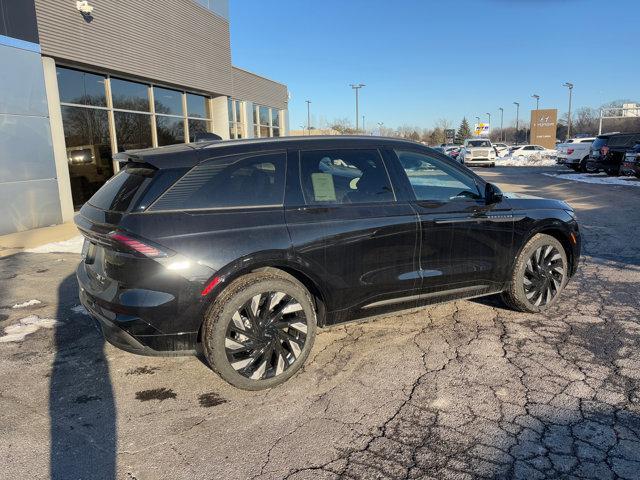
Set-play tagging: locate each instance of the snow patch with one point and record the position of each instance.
(600, 179)
(28, 303)
(531, 161)
(73, 245)
(26, 326)
(80, 310)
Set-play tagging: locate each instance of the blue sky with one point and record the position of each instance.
(426, 60)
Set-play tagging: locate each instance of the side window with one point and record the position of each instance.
(233, 181)
(344, 176)
(528, 147)
(434, 180)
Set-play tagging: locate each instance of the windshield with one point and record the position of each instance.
(479, 143)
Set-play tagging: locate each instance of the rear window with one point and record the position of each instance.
(599, 142)
(229, 182)
(121, 191)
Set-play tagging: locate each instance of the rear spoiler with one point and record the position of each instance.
(160, 158)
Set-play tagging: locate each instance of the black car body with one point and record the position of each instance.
(173, 229)
(631, 162)
(608, 151)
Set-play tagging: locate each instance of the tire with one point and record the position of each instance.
(584, 166)
(535, 286)
(492, 165)
(237, 338)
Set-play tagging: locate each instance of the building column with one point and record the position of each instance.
(248, 119)
(220, 116)
(57, 139)
(285, 122)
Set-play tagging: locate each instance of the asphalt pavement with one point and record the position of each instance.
(467, 389)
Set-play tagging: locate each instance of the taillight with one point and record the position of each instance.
(137, 245)
(604, 150)
(569, 151)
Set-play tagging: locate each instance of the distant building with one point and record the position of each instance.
(83, 80)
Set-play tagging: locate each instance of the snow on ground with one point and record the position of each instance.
(73, 245)
(28, 303)
(547, 160)
(26, 326)
(597, 178)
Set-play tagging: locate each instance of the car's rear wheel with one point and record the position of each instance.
(260, 330)
(585, 167)
(539, 275)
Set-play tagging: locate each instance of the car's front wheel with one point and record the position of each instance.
(260, 330)
(539, 275)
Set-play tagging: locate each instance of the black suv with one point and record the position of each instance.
(608, 151)
(240, 249)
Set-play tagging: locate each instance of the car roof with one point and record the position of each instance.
(188, 154)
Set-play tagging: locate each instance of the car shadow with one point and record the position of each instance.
(81, 402)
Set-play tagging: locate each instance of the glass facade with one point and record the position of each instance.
(266, 121)
(95, 105)
(236, 118)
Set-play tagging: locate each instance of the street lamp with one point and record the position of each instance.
(501, 129)
(489, 115)
(357, 87)
(537, 97)
(477, 124)
(364, 130)
(380, 124)
(570, 87)
(517, 119)
(308, 117)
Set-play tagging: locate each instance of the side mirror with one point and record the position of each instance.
(492, 194)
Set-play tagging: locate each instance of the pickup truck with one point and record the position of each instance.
(574, 153)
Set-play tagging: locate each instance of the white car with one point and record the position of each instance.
(522, 152)
(478, 151)
(574, 153)
(501, 149)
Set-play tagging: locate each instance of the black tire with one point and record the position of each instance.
(492, 165)
(547, 274)
(240, 329)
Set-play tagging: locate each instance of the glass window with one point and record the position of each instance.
(119, 192)
(129, 95)
(86, 134)
(235, 181)
(170, 130)
(275, 117)
(81, 87)
(264, 132)
(344, 176)
(133, 130)
(276, 132)
(238, 117)
(434, 180)
(168, 102)
(264, 115)
(230, 110)
(196, 127)
(196, 106)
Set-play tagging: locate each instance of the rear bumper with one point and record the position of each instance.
(128, 331)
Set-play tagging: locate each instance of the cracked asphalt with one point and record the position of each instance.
(461, 390)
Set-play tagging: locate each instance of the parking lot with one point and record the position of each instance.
(466, 389)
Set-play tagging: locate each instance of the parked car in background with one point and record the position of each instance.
(631, 162)
(522, 152)
(608, 151)
(574, 153)
(478, 152)
(501, 149)
(241, 249)
(453, 151)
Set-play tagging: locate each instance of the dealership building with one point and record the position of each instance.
(81, 81)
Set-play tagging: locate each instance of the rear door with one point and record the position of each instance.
(351, 226)
(464, 243)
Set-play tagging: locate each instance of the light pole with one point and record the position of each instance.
(380, 124)
(477, 125)
(308, 117)
(364, 130)
(489, 115)
(501, 117)
(570, 87)
(357, 87)
(517, 119)
(537, 97)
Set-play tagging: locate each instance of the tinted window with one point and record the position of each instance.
(528, 147)
(234, 181)
(120, 191)
(170, 130)
(344, 176)
(129, 95)
(435, 180)
(81, 87)
(133, 130)
(196, 127)
(196, 106)
(167, 101)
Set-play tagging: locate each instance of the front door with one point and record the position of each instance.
(465, 244)
(351, 228)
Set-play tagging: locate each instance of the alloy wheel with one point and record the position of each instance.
(543, 275)
(266, 335)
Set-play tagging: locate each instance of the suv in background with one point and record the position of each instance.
(631, 163)
(240, 249)
(608, 151)
(478, 151)
(574, 153)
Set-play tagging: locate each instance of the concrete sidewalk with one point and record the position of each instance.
(17, 242)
